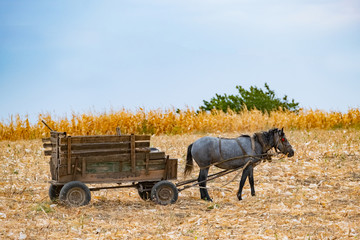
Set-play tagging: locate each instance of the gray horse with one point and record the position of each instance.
(222, 153)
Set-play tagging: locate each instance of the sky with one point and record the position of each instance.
(64, 57)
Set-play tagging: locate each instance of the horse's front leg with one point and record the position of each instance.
(203, 191)
(248, 171)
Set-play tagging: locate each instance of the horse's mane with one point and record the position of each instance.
(245, 135)
(266, 134)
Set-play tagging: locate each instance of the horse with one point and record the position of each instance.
(232, 153)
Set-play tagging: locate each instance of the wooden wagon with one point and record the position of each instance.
(122, 160)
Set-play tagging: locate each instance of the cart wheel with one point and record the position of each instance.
(145, 194)
(75, 194)
(164, 193)
(54, 191)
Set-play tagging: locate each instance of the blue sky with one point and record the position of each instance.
(76, 56)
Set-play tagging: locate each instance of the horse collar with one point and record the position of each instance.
(262, 143)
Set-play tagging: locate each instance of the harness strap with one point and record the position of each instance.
(220, 152)
(252, 144)
(241, 147)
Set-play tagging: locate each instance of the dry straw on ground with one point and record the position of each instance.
(314, 195)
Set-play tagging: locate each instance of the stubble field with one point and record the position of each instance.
(313, 195)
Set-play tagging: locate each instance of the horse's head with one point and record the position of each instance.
(281, 143)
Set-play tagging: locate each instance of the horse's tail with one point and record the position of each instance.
(189, 162)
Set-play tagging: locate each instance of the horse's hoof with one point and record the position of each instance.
(253, 194)
(207, 199)
(239, 197)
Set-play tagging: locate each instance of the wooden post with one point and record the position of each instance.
(69, 154)
(57, 154)
(75, 169)
(166, 170)
(118, 131)
(147, 158)
(132, 155)
(83, 167)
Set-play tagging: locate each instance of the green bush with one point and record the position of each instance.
(263, 100)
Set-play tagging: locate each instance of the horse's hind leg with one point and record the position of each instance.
(203, 191)
(251, 180)
(248, 171)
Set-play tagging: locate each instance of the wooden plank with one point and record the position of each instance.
(48, 145)
(171, 168)
(142, 137)
(156, 155)
(62, 171)
(132, 154)
(108, 145)
(89, 153)
(115, 157)
(45, 140)
(105, 138)
(121, 177)
(102, 167)
(69, 154)
(47, 152)
(111, 167)
(50, 152)
(88, 166)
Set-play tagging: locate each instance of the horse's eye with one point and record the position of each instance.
(283, 139)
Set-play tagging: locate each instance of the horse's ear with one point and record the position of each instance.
(282, 131)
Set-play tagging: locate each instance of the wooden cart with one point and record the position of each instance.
(123, 160)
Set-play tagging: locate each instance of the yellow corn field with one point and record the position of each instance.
(172, 121)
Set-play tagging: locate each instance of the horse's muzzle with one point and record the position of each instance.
(291, 153)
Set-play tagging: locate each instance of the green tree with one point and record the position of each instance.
(263, 100)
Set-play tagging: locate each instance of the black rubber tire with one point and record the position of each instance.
(75, 194)
(164, 193)
(54, 192)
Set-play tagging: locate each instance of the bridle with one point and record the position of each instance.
(279, 141)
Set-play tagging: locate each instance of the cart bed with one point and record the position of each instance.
(106, 159)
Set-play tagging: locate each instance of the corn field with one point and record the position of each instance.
(313, 195)
(172, 121)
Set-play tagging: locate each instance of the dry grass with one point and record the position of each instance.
(175, 122)
(314, 195)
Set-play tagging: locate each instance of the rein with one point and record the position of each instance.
(259, 157)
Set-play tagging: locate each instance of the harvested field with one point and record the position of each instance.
(314, 195)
